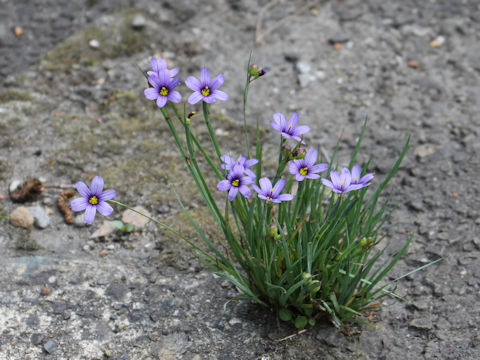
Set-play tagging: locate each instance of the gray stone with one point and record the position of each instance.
(94, 44)
(305, 79)
(50, 346)
(135, 219)
(421, 323)
(106, 229)
(21, 217)
(303, 68)
(40, 216)
(116, 291)
(139, 22)
(36, 339)
(78, 221)
(102, 281)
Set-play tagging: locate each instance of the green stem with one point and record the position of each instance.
(206, 115)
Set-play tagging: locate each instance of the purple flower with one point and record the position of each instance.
(357, 180)
(160, 65)
(342, 183)
(162, 89)
(206, 89)
(289, 130)
(305, 167)
(236, 182)
(242, 160)
(93, 199)
(269, 193)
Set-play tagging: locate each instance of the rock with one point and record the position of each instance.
(305, 79)
(94, 44)
(21, 217)
(116, 291)
(36, 339)
(106, 229)
(78, 221)
(437, 42)
(302, 67)
(320, 74)
(414, 64)
(40, 216)
(421, 323)
(137, 220)
(139, 22)
(50, 346)
(425, 150)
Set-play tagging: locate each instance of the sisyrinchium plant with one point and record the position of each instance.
(304, 241)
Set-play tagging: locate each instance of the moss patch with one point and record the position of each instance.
(14, 95)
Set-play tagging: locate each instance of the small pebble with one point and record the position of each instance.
(13, 185)
(21, 217)
(106, 229)
(414, 64)
(36, 339)
(40, 216)
(137, 220)
(45, 291)
(50, 346)
(94, 44)
(302, 67)
(437, 42)
(139, 22)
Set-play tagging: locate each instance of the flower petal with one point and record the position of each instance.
(293, 120)
(265, 184)
(174, 96)
(328, 183)
(345, 178)
(280, 120)
(276, 126)
(220, 95)
(257, 189)
(151, 93)
(293, 167)
(173, 83)
(285, 197)
(224, 185)
(161, 101)
(79, 204)
(300, 130)
(83, 189)
(337, 183)
(154, 64)
(366, 178)
(104, 208)
(245, 191)
(108, 195)
(356, 172)
(194, 98)
(278, 187)
(173, 72)
(250, 162)
(232, 193)
(210, 98)
(299, 177)
(319, 168)
(89, 214)
(311, 156)
(312, 176)
(193, 83)
(97, 185)
(205, 76)
(217, 81)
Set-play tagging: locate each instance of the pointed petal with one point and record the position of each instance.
(224, 185)
(104, 208)
(151, 93)
(161, 101)
(293, 167)
(328, 183)
(205, 76)
(97, 185)
(280, 120)
(311, 156)
(278, 187)
(193, 83)
(210, 98)
(217, 81)
(174, 96)
(154, 64)
(300, 130)
(345, 178)
(173, 83)
(250, 173)
(250, 162)
(299, 177)
(108, 195)
(366, 178)
(89, 214)
(79, 204)
(173, 72)
(356, 172)
(293, 120)
(265, 184)
(263, 197)
(83, 189)
(276, 126)
(232, 193)
(194, 98)
(285, 197)
(256, 188)
(319, 168)
(313, 176)
(246, 180)
(220, 95)
(245, 191)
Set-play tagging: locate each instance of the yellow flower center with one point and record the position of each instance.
(269, 197)
(356, 179)
(164, 91)
(205, 91)
(290, 126)
(304, 171)
(236, 182)
(93, 200)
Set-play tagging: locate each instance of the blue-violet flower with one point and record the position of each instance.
(342, 183)
(162, 89)
(289, 130)
(160, 65)
(93, 199)
(269, 193)
(305, 168)
(242, 160)
(357, 180)
(206, 89)
(236, 182)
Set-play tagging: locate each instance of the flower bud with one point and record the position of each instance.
(254, 71)
(299, 153)
(286, 150)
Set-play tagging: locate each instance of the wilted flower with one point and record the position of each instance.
(236, 182)
(269, 193)
(161, 65)
(93, 199)
(230, 163)
(305, 168)
(206, 89)
(162, 89)
(357, 180)
(289, 130)
(342, 183)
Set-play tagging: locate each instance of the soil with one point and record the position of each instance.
(71, 108)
